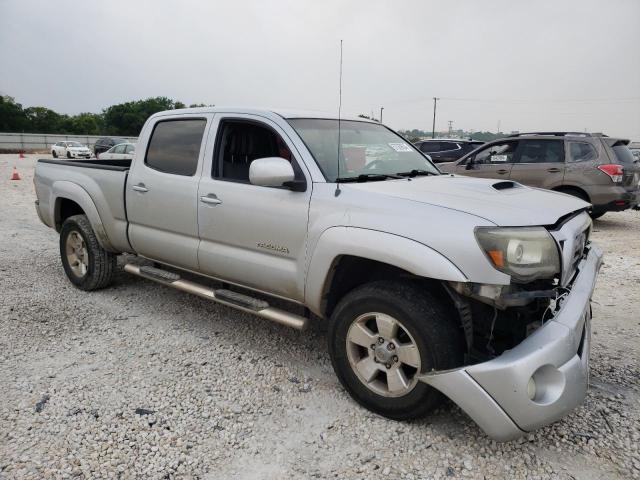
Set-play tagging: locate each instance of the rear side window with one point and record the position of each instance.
(581, 152)
(430, 147)
(130, 149)
(119, 149)
(444, 146)
(542, 151)
(623, 154)
(175, 146)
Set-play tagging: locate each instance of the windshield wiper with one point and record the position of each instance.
(367, 177)
(415, 173)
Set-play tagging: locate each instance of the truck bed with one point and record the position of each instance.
(117, 165)
(96, 186)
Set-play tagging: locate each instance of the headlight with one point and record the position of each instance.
(525, 253)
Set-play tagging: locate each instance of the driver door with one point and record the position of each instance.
(493, 161)
(251, 235)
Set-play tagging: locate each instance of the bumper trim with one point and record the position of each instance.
(494, 393)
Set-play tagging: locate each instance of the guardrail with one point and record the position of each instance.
(25, 142)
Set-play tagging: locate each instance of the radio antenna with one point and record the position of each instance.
(337, 192)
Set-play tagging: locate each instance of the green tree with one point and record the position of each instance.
(44, 120)
(12, 116)
(128, 118)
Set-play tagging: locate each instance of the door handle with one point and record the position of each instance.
(210, 199)
(553, 170)
(502, 171)
(140, 188)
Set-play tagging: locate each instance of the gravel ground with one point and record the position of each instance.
(143, 381)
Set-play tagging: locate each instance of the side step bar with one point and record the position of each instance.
(231, 299)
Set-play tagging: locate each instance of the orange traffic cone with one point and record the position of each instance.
(15, 175)
(21, 155)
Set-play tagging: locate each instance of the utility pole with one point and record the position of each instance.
(450, 128)
(433, 128)
(381, 109)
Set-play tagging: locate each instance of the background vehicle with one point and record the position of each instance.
(635, 149)
(594, 167)
(105, 143)
(447, 149)
(270, 204)
(120, 152)
(70, 150)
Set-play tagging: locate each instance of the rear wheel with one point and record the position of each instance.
(87, 265)
(54, 153)
(596, 213)
(382, 336)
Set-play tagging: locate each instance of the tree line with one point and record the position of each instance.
(124, 119)
(127, 119)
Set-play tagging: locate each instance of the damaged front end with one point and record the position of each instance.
(527, 342)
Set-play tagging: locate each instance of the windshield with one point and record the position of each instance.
(74, 144)
(365, 149)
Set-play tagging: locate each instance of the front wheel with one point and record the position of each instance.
(87, 265)
(68, 154)
(382, 336)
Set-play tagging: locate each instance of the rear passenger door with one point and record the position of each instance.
(162, 189)
(539, 163)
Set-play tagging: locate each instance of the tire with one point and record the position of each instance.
(596, 213)
(91, 269)
(68, 155)
(423, 321)
(55, 155)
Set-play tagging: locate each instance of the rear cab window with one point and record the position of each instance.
(174, 146)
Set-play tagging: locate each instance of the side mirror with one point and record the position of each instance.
(271, 172)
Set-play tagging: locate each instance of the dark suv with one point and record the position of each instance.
(594, 167)
(447, 149)
(105, 143)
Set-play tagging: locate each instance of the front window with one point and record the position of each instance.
(74, 144)
(365, 149)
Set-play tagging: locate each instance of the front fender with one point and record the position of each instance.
(63, 189)
(401, 252)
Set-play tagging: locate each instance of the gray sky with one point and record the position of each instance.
(528, 65)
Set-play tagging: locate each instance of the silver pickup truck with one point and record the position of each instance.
(431, 283)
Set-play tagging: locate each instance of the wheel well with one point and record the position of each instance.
(66, 208)
(349, 272)
(579, 192)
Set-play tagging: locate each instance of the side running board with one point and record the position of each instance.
(231, 299)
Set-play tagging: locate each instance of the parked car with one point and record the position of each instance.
(70, 150)
(105, 143)
(593, 167)
(427, 281)
(119, 152)
(447, 149)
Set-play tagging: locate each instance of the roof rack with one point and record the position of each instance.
(560, 134)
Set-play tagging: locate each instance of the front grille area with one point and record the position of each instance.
(573, 238)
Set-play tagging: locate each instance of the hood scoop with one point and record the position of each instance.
(506, 185)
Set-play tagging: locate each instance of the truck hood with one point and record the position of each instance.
(504, 203)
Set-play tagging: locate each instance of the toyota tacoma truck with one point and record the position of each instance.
(430, 283)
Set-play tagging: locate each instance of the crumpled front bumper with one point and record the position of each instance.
(497, 394)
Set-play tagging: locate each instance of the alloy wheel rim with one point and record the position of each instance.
(383, 354)
(77, 254)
